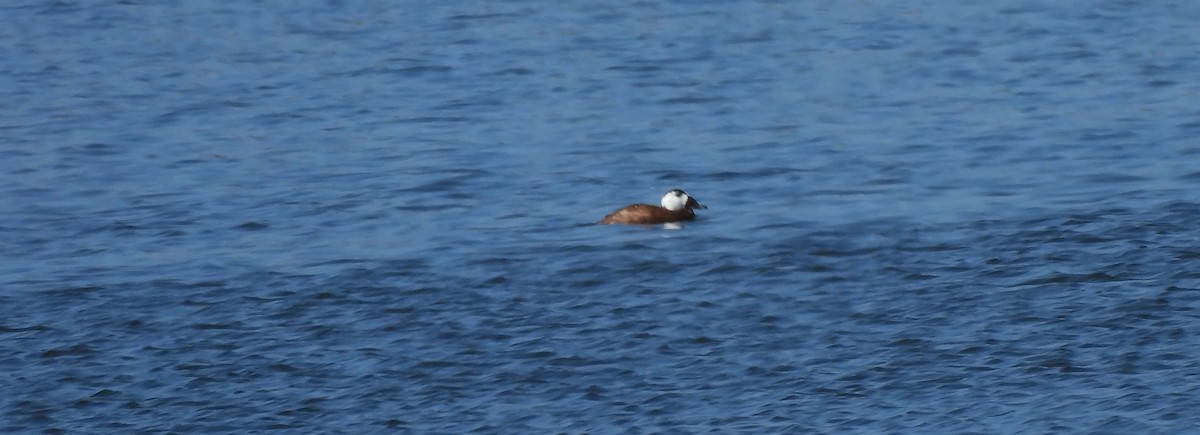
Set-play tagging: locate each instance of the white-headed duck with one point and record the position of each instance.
(676, 206)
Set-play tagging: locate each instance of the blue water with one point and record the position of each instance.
(355, 217)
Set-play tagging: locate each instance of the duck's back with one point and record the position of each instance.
(646, 214)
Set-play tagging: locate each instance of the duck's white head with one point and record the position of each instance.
(676, 200)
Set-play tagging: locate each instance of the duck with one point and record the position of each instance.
(676, 206)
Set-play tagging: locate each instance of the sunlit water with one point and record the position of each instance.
(925, 217)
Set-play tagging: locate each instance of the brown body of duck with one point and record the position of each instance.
(676, 206)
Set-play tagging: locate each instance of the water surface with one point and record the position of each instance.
(354, 217)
